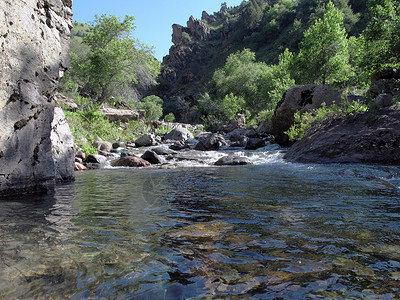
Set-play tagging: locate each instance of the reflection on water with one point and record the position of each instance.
(263, 232)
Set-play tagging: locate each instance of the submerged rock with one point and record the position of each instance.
(372, 137)
(130, 161)
(233, 160)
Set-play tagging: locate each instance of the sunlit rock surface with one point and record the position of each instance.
(34, 44)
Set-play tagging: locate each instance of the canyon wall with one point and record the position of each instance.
(36, 146)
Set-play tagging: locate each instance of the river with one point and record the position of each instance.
(264, 231)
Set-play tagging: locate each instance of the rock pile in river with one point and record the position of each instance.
(178, 145)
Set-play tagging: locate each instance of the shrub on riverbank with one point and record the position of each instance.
(89, 125)
(303, 123)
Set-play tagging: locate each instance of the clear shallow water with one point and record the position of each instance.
(267, 231)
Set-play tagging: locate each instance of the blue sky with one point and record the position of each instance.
(154, 18)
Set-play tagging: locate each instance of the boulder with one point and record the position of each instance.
(103, 146)
(117, 145)
(236, 134)
(299, 98)
(179, 134)
(386, 81)
(213, 142)
(127, 153)
(202, 136)
(254, 144)
(79, 167)
(96, 159)
(152, 157)
(34, 47)
(383, 100)
(233, 160)
(130, 161)
(145, 140)
(371, 137)
(162, 150)
(178, 146)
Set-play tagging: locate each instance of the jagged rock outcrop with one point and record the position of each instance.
(198, 49)
(299, 98)
(371, 137)
(35, 145)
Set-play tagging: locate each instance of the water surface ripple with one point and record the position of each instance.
(268, 231)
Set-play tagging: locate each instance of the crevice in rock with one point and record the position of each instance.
(36, 155)
(13, 98)
(306, 97)
(20, 124)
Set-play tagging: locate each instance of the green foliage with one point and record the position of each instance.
(170, 118)
(87, 125)
(230, 106)
(304, 122)
(153, 107)
(255, 85)
(324, 54)
(381, 37)
(106, 61)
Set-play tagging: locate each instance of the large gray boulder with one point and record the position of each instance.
(299, 98)
(212, 142)
(34, 47)
(233, 160)
(179, 134)
(145, 140)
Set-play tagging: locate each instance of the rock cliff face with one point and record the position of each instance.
(198, 49)
(34, 46)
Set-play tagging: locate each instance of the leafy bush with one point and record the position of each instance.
(88, 125)
(256, 85)
(153, 107)
(169, 118)
(304, 122)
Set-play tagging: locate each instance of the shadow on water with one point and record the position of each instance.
(263, 232)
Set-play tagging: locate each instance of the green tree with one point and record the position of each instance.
(259, 85)
(324, 57)
(382, 38)
(115, 56)
(153, 107)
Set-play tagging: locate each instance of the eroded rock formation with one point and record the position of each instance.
(299, 98)
(34, 46)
